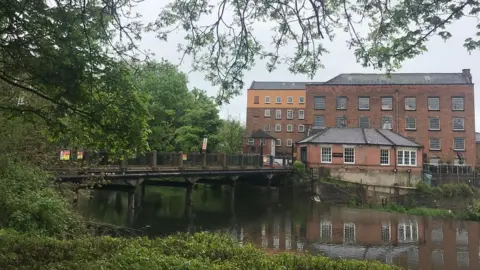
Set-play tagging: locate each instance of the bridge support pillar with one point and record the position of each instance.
(269, 178)
(131, 199)
(192, 179)
(234, 179)
(153, 159)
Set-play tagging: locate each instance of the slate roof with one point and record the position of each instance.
(357, 136)
(477, 137)
(399, 78)
(261, 134)
(264, 85)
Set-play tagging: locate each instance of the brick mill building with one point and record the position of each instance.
(434, 109)
(279, 109)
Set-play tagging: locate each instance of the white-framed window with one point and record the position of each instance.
(458, 104)
(348, 232)
(319, 121)
(301, 114)
(301, 128)
(289, 142)
(458, 123)
(341, 103)
(458, 144)
(289, 114)
(326, 155)
(349, 155)
(435, 143)
(278, 100)
(407, 157)
(251, 141)
(407, 231)
(319, 103)
(410, 104)
(267, 100)
(386, 232)
(387, 103)
(434, 123)
(278, 127)
(364, 122)
(278, 142)
(326, 230)
(410, 123)
(278, 114)
(364, 103)
(289, 128)
(266, 127)
(387, 122)
(434, 161)
(384, 156)
(341, 122)
(433, 103)
(267, 113)
(289, 99)
(301, 100)
(262, 142)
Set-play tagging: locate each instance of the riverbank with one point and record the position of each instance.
(182, 251)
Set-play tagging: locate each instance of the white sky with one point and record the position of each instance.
(442, 56)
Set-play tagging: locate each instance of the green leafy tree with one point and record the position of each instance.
(201, 120)
(169, 100)
(60, 56)
(225, 46)
(231, 135)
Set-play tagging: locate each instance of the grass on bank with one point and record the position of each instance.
(198, 251)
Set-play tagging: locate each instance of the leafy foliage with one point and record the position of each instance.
(231, 136)
(57, 58)
(226, 46)
(199, 251)
(30, 204)
(180, 118)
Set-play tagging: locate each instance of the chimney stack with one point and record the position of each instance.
(467, 74)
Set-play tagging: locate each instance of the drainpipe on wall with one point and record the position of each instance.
(396, 109)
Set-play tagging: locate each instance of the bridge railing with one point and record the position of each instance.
(174, 160)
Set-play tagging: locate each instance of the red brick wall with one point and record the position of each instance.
(421, 92)
(365, 156)
(255, 148)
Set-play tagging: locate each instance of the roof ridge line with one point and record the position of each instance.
(384, 136)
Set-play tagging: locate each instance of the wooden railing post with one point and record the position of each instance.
(241, 161)
(153, 159)
(180, 159)
(224, 160)
(123, 164)
(204, 159)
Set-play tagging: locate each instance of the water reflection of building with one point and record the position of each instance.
(409, 242)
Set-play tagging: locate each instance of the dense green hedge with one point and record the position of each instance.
(199, 251)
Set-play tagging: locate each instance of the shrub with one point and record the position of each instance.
(183, 251)
(299, 167)
(29, 202)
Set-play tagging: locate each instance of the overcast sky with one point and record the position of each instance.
(442, 56)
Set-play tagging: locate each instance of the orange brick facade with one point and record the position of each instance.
(399, 113)
(284, 119)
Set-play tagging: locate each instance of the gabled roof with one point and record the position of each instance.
(368, 136)
(279, 85)
(399, 78)
(260, 134)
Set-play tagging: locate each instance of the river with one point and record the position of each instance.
(286, 220)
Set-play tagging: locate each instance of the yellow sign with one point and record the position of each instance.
(184, 156)
(65, 155)
(265, 159)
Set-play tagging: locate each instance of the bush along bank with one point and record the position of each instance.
(417, 203)
(198, 251)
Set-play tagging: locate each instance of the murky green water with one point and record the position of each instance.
(285, 220)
